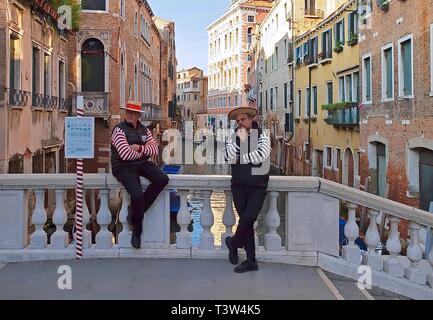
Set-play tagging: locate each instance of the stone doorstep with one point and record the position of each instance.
(380, 279)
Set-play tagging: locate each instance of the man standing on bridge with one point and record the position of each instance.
(247, 149)
(132, 144)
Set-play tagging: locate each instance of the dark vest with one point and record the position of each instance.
(242, 173)
(133, 136)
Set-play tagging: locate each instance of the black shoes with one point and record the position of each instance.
(136, 241)
(246, 266)
(233, 252)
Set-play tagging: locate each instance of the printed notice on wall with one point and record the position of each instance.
(79, 138)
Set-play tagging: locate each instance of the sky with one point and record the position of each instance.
(191, 18)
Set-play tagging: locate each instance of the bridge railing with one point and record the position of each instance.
(311, 223)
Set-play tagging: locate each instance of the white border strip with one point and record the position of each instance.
(366, 294)
(330, 285)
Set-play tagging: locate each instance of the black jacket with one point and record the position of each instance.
(245, 165)
(133, 136)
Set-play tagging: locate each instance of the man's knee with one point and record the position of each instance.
(248, 220)
(163, 180)
(136, 196)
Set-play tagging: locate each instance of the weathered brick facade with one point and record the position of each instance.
(401, 123)
(168, 70)
(132, 66)
(32, 49)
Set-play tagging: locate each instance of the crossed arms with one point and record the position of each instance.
(261, 154)
(134, 152)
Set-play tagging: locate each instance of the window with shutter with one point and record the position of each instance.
(407, 67)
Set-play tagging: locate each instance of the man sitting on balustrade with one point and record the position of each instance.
(132, 145)
(248, 150)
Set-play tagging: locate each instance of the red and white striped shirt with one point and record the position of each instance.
(118, 140)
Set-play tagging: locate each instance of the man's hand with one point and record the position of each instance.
(135, 147)
(242, 134)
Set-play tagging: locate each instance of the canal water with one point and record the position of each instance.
(218, 203)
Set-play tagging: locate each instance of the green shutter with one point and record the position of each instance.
(407, 67)
(350, 24)
(342, 24)
(315, 100)
(389, 62)
(368, 79)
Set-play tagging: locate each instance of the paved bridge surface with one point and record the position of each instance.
(176, 279)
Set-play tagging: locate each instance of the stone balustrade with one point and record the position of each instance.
(312, 208)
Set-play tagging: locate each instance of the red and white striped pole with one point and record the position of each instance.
(79, 193)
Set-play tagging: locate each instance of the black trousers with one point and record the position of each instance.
(248, 202)
(129, 177)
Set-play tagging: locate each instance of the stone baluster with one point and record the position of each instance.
(38, 239)
(183, 237)
(229, 219)
(372, 239)
(125, 235)
(104, 238)
(207, 221)
(393, 245)
(414, 253)
(351, 251)
(87, 234)
(272, 221)
(430, 259)
(59, 239)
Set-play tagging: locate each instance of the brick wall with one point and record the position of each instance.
(120, 34)
(385, 119)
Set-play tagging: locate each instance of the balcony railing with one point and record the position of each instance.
(191, 89)
(152, 112)
(314, 13)
(50, 103)
(324, 56)
(18, 98)
(310, 60)
(308, 236)
(96, 104)
(63, 104)
(348, 117)
(41, 101)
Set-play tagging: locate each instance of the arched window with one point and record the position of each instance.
(237, 37)
(93, 66)
(249, 37)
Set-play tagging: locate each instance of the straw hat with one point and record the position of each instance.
(133, 106)
(252, 112)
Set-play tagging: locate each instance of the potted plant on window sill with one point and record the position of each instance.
(339, 47)
(353, 39)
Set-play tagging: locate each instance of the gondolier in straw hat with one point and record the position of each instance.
(132, 145)
(247, 149)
